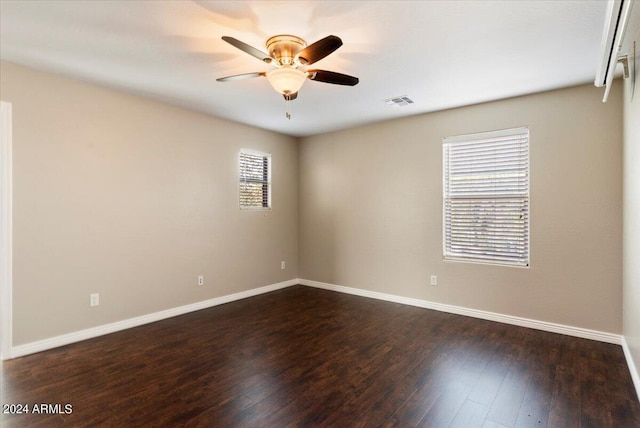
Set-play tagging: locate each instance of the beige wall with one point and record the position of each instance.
(133, 199)
(631, 213)
(371, 209)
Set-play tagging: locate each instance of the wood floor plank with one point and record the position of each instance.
(534, 411)
(314, 358)
(470, 415)
(447, 406)
(490, 424)
(566, 398)
(506, 405)
(490, 380)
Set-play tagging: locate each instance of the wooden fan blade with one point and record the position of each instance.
(318, 50)
(240, 77)
(248, 49)
(332, 77)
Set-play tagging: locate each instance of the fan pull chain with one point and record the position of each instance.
(288, 113)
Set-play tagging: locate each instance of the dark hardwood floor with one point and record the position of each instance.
(306, 357)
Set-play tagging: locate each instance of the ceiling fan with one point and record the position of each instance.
(288, 54)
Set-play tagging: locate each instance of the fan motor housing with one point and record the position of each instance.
(283, 48)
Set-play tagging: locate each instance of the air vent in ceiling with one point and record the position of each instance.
(399, 101)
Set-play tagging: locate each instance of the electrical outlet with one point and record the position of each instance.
(434, 280)
(94, 299)
(200, 279)
(282, 264)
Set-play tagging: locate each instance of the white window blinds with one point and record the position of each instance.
(486, 197)
(255, 180)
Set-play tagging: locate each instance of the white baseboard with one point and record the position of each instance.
(65, 339)
(632, 366)
(475, 313)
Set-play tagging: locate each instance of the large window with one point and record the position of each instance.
(255, 180)
(486, 197)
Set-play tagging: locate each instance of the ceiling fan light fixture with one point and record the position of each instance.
(286, 80)
(286, 54)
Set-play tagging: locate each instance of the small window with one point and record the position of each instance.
(255, 180)
(486, 197)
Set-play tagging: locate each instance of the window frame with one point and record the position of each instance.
(525, 198)
(268, 157)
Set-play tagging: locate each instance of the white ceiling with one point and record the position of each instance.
(442, 54)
